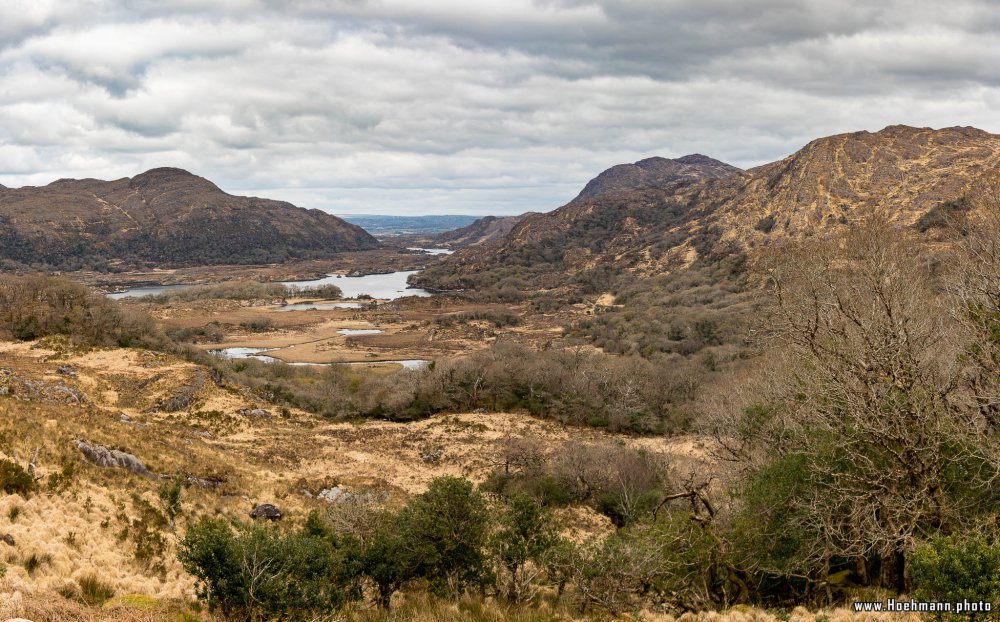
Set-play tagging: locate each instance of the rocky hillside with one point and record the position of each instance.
(655, 172)
(165, 216)
(907, 173)
(483, 231)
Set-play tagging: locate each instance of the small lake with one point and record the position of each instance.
(142, 292)
(313, 306)
(382, 286)
(241, 353)
(432, 251)
(259, 353)
(359, 331)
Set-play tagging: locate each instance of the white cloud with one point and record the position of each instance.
(449, 106)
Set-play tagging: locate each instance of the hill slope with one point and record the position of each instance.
(903, 171)
(482, 231)
(165, 216)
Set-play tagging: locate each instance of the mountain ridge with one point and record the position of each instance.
(902, 171)
(484, 230)
(165, 216)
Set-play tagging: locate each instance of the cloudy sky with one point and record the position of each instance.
(467, 106)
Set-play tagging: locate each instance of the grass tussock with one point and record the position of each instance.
(41, 605)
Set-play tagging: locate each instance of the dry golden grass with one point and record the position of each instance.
(75, 528)
(18, 600)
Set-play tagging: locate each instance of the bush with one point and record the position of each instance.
(527, 532)
(32, 307)
(230, 290)
(323, 292)
(14, 480)
(957, 568)
(255, 571)
(440, 536)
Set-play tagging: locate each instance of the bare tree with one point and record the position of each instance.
(874, 412)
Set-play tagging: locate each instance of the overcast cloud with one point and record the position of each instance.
(459, 106)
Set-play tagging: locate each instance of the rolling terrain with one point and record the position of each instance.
(165, 216)
(611, 339)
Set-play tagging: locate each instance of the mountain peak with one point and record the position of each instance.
(697, 158)
(655, 172)
(169, 176)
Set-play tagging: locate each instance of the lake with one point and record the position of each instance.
(382, 286)
(260, 353)
(142, 292)
(432, 251)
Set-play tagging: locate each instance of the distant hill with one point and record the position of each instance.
(165, 216)
(483, 231)
(382, 226)
(907, 173)
(655, 173)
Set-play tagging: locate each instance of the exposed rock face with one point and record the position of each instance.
(26, 389)
(163, 216)
(266, 511)
(111, 458)
(655, 172)
(185, 395)
(903, 172)
(260, 413)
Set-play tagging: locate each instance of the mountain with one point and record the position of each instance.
(165, 216)
(907, 173)
(655, 172)
(483, 231)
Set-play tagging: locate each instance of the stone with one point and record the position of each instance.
(64, 394)
(111, 458)
(255, 412)
(266, 511)
(208, 484)
(7, 539)
(334, 495)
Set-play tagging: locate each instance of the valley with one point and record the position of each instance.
(672, 393)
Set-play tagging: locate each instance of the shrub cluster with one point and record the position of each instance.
(573, 386)
(14, 480)
(246, 290)
(38, 306)
(447, 541)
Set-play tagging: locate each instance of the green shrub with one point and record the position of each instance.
(957, 568)
(169, 493)
(527, 532)
(14, 480)
(440, 536)
(255, 571)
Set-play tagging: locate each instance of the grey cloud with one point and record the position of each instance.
(451, 106)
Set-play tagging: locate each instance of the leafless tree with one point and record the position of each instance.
(874, 402)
